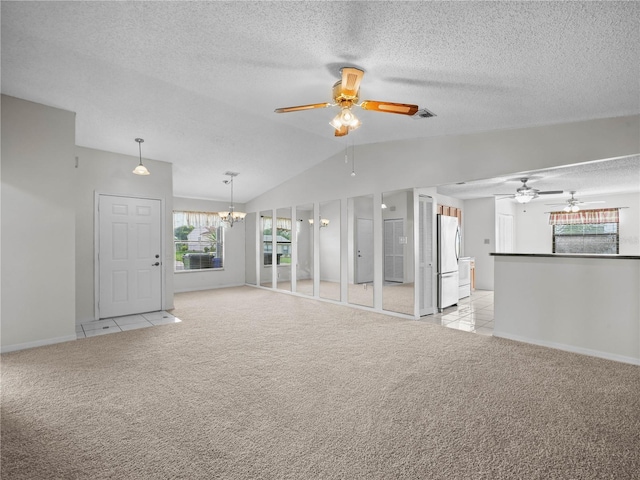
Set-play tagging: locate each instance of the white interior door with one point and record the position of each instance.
(364, 250)
(505, 233)
(394, 250)
(129, 256)
(426, 251)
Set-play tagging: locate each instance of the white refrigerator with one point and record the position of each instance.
(448, 254)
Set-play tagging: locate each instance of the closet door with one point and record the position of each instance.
(426, 255)
(393, 250)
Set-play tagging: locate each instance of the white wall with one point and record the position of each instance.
(38, 224)
(111, 173)
(480, 238)
(432, 161)
(234, 251)
(533, 232)
(584, 305)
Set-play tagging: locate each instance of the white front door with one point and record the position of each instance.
(129, 256)
(364, 250)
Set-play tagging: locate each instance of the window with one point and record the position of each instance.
(588, 231)
(198, 238)
(283, 240)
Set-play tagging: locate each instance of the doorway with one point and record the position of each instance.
(364, 250)
(129, 263)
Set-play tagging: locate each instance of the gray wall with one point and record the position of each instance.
(38, 224)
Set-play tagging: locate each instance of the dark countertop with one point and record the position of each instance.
(567, 255)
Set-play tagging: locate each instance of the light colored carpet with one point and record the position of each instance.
(255, 384)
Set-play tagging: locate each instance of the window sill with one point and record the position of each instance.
(180, 272)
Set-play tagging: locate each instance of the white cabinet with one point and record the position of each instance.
(464, 277)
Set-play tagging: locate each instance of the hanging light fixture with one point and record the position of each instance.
(140, 169)
(231, 217)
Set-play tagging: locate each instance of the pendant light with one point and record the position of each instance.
(231, 217)
(140, 169)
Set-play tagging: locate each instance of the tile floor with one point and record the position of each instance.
(121, 324)
(472, 314)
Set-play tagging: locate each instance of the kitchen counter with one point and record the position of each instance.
(567, 255)
(581, 303)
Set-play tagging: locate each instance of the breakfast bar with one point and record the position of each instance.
(587, 304)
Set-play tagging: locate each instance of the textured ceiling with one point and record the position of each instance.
(615, 176)
(199, 80)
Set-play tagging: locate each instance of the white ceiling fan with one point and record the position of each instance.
(525, 194)
(573, 204)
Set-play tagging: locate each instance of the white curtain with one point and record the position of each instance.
(602, 215)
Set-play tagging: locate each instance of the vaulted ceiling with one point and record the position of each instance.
(199, 81)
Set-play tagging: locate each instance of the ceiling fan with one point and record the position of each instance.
(345, 95)
(573, 204)
(525, 193)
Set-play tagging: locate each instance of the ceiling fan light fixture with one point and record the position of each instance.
(523, 197)
(575, 208)
(347, 117)
(336, 123)
(355, 124)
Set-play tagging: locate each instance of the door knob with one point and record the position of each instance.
(155, 264)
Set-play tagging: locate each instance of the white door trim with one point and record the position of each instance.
(96, 247)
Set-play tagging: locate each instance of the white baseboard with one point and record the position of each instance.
(569, 348)
(37, 343)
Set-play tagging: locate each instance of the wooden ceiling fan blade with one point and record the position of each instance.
(351, 78)
(302, 107)
(390, 107)
(342, 131)
(551, 192)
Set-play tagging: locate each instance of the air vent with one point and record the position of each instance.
(423, 113)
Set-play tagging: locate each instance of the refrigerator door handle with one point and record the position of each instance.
(458, 243)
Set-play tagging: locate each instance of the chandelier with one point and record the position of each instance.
(231, 217)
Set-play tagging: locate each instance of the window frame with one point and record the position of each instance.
(216, 250)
